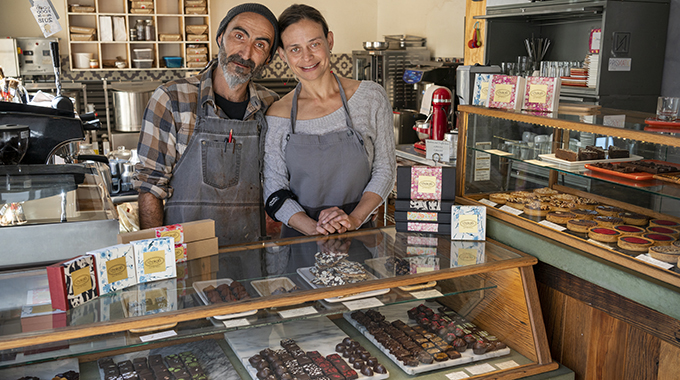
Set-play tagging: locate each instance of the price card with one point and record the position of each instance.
(457, 375)
(488, 202)
(156, 336)
(236, 322)
(438, 151)
(653, 261)
(298, 312)
(506, 365)
(599, 243)
(511, 210)
(363, 303)
(539, 163)
(482, 368)
(618, 121)
(498, 152)
(552, 225)
(432, 293)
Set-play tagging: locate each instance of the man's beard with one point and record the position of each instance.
(238, 77)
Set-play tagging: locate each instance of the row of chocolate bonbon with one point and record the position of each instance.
(226, 292)
(359, 357)
(68, 375)
(479, 340)
(184, 366)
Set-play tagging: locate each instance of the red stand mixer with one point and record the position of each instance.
(438, 119)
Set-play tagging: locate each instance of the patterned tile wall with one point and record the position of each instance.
(341, 64)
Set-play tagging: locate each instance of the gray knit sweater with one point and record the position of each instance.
(371, 115)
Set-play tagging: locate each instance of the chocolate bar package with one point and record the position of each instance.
(435, 228)
(154, 259)
(115, 267)
(422, 205)
(72, 282)
(426, 183)
(468, 223)
(152, 298)
(465, 253)
(422, 216)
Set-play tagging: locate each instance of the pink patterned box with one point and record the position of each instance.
(542, 94)
(426, 183)
(506, 92)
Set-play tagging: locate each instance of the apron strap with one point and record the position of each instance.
(343, 97)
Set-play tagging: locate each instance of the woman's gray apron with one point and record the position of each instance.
(220, 180)
(326, 170)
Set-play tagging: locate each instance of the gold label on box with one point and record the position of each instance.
(538, 93)
(484, 91)
(154, 262)
(116, 270)
(502, 93)
(156, 299)
(175, 234)
(39, 309)
(180, 252)
(467, 256)
(427, 184)
(81, 281)
(468, 224)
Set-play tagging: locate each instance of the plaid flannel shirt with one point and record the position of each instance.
(169, 121)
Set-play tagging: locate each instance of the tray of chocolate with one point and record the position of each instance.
(437, 340)
(292, 363)
(639, 170)
(183, 366)
(572, 160)
(333, 269)
(223, 290)
(392, 266)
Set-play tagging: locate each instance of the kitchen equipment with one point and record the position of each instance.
(441, 107)
(422, 128)
(465, 80)
(34, 55)
(126, 176)
(403, 41)
(82, 60)
(129, 101)
(404, 132)
(376, 45)
(59, 102)
(13, 143)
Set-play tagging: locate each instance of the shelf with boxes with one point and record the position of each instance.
(121, 34)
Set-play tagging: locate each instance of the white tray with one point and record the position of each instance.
(200, 285)
(264, 287)
(308, 277)
(466, 357)
(578, 165)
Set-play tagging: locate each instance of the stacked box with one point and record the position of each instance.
(154, 259)
(115, 267)
(468, 223)
(72, 282)
(425, 195)
(506, 92)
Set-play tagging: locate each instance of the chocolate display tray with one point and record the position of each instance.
(308, 277)
(45, 370)
(394, 312)
(579, 165)
(200, 285)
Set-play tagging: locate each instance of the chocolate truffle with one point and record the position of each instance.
(372, 361)
(425, 358)
(358, 364)
(479, 347)
(379, 368)
(340, 347)
(366, 370)
(347, 341)
(263, 373)
(255, 359)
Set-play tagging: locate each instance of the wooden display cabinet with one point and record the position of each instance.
(173, 33)
(492, 287)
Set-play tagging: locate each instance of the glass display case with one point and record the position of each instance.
(480, 286)
(629, 198)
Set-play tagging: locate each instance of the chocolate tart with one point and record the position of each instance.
(609, 210)
(663, 230)
(633, 218)
(563, 206)
(607, 221)
(517, 202)
(664, 223)
(584, 213)
(536, 209)
(560, 217)
(603, 234)
(666, 253)
(499, 198)
(660, 239)
(634, 243)
(629, 230)
(586, 203)
(580, 225)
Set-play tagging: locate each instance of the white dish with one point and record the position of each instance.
(578, 165)
(264, 287)
(200, 285)
(308, 277)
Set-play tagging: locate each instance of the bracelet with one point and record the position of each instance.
(276, 200)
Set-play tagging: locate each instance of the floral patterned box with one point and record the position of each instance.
(154, 259)
(480, 94)
(506, 92)
(422, 205)
(542, 94)
(152, 298)
(426, 183)
(115, 267)
(72, 282)
(435, 228)
(422, 216)
(468, 223)
(465, 253)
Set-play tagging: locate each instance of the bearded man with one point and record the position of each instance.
(200, 149)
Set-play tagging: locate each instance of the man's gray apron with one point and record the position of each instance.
(220, 180)
(326, 170)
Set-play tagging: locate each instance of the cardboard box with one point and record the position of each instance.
(182, 233)
(426, 183)
(422, 205)
(468, 223)
(422, 216)
(72, 282)
(202, 248)
(435, 228)
(154, 259)
(105, 28)
(115, 267)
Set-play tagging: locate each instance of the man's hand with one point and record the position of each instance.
(150, 210)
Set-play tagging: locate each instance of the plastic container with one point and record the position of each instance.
(82, 60)
(142, 63)
(143, 53)
(173, 62)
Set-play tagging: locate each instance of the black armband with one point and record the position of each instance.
(276, 200)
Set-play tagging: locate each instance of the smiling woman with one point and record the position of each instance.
(329, 149)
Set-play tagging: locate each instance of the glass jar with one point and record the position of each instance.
(148, 30)
(94, 64)
(139, 25)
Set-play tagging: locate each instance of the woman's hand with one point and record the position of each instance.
(334, 245)
(334, 220)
